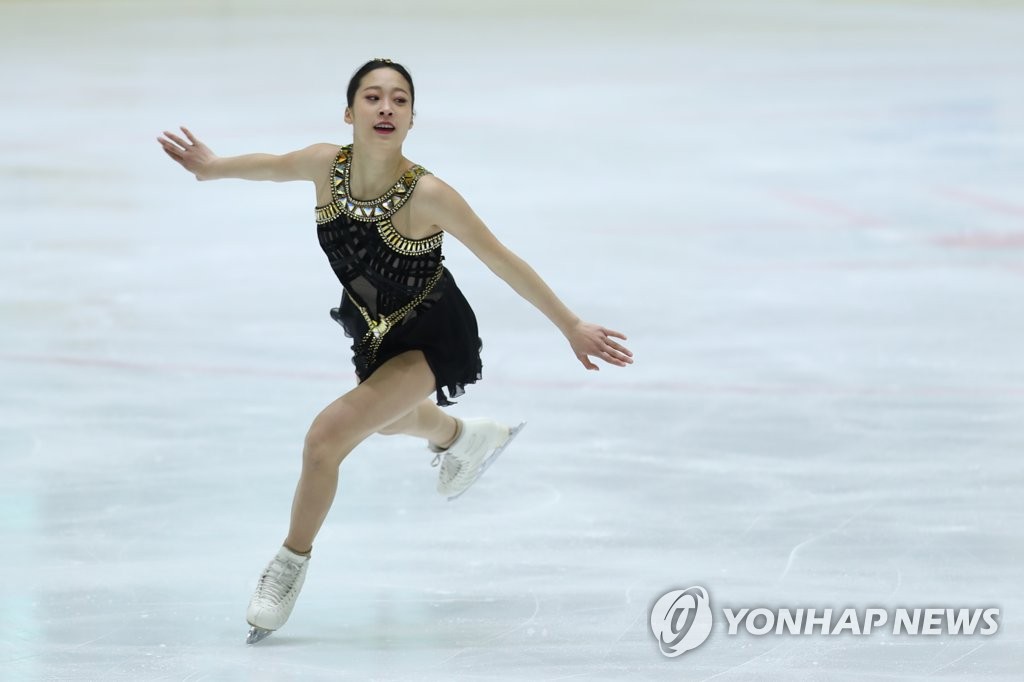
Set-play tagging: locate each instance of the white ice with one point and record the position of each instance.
(807, 216)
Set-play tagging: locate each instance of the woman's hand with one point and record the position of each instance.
(193, 155)
(590, 339)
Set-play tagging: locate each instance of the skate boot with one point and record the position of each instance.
(465, 460)
(276, 593)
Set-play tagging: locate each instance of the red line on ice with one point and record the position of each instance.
(991, 203)
(614, 385)
(827, 207)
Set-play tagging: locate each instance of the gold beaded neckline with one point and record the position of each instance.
(377, 211)
(373, 210)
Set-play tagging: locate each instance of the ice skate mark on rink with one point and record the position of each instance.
(641, 615)
(552, 499)
(899, 584)
(956, 660)
(793, 554)
(750, 526)
(632, 623)
(497, 636)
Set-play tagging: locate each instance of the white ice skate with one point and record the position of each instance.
(476, 448)
(276, 593)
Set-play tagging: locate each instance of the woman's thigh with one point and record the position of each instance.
(391, 392)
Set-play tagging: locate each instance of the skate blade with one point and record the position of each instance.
(512, 433)
(257, 635)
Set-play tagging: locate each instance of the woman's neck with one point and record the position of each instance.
(374, 170)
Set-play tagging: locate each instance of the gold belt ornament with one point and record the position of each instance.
(376, 329)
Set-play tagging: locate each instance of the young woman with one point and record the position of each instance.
(381, 220)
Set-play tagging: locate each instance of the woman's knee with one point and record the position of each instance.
(331, 437)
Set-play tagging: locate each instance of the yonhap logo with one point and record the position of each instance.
(681, 620)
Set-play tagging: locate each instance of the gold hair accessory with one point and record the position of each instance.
(382, 59)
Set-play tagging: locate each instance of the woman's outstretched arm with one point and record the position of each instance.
(446, 209)
(198, 159)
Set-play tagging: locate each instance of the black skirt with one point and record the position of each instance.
(443, 327)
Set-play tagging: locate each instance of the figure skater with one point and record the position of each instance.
(381, 220)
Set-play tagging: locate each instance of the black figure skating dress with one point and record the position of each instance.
(397, 295)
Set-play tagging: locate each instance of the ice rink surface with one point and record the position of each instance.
(807, 216)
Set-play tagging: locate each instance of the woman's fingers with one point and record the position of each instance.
(612, 351)
(612, 360)
(619, 348)
(177, 140)
(172, 151)
(190, 154)
(596, 341)
(625, 357)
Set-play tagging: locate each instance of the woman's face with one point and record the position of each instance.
(382, 107)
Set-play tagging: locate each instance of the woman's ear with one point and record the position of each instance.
(348, 115)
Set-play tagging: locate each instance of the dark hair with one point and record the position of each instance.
(373, 65)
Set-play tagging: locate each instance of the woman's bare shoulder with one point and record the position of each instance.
(315, 161)
(442, 206)
(434, 190)
(322, 150)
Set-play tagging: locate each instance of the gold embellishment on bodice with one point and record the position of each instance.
(379, 210)
(404, 245)
(376, 329)
(383, 206)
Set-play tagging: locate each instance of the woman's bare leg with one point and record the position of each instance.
(426, 420)
(392, 391)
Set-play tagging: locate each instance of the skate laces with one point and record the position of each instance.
(278, 580)
(439, 452)
(450, 467)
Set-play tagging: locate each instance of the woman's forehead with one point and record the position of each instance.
(384, 78)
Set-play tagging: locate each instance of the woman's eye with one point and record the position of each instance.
(372, 98)
(401, 100)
